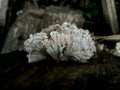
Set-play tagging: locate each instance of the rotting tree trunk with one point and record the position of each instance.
(3, 9)
(109, 11)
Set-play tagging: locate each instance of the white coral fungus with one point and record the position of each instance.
(61, 43)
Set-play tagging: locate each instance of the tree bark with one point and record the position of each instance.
(3, 9)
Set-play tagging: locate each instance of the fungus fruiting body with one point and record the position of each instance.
(60, 42)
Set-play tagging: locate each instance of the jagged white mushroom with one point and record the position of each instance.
(62, 43)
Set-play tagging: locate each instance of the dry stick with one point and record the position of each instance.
(111, 37)
(110, 15)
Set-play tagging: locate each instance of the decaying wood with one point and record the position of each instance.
(109, 11)
(100, 73)
(34, 20)
(110, 44)
(3, 9)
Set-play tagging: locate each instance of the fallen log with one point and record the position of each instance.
(100, 73)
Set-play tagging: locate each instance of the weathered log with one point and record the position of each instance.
(34, 20)
(100, 73)
(109, 12)
(3, 9)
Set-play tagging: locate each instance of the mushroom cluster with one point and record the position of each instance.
(60, 42)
